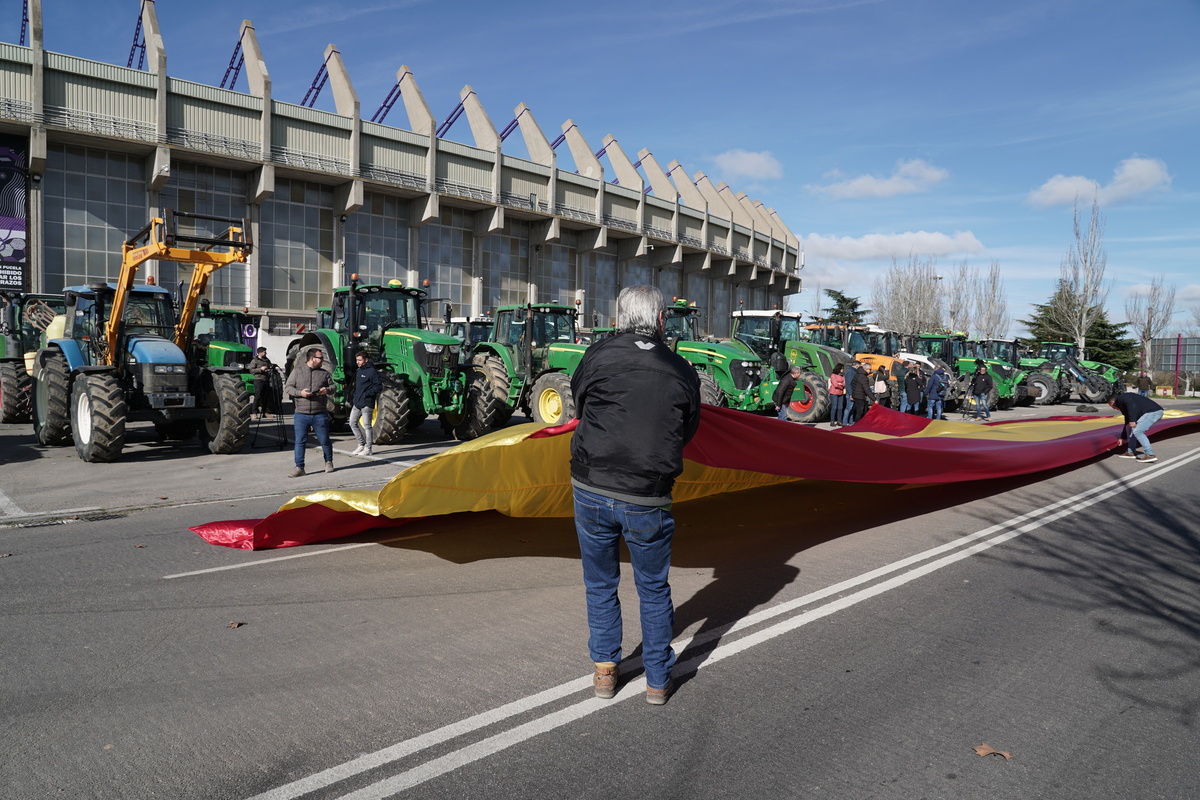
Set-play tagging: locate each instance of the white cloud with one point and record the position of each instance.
(1132, 177)
(880, 245)
(909, 177)
(735, 164)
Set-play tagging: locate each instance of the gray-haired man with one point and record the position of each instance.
(638, 404)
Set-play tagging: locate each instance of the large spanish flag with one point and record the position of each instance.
(524, 471)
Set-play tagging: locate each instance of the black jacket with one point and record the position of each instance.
(981, 383)
(1134, 407)
(783, 392)
(367, 386)
(860, 388)
(914, 386)
(638, 404)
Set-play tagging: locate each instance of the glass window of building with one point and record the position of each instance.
(377, 241)
(201, 189)
(296, 251)
(600, 289)
(505, 266)
(94, 201)
(446, 250)
(554, 273)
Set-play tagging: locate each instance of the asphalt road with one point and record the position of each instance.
(836, 640)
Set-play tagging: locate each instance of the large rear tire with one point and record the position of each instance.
(1089, 396)
(98, 417)
(810, 400)
(479, 409)
(226, 392)
(52, 401)
(16, 393)
(710, 390)
(552, 402)
(1043, 390)
(391, 411)
(501, 383)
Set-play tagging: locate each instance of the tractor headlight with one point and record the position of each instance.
(454, 349)
(433, 348)
(168, 369)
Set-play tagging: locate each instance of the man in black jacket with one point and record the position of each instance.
(638, 404)
(783, 391)
(1140, 413)
(982, 386)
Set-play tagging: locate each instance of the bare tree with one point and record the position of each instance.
(1081, 275)
(961, 296)
(991, 305)
(1194, 328)
(907, 297)
(1149, 313)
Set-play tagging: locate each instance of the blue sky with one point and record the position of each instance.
(876, 128)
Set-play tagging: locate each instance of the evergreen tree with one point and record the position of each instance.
(844, 308)
(1106, 341)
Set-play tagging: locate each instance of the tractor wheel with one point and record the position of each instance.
(1089, 396)
(479, 410)
(501, 383)
(416, 414)
(810, 400)
(893, 395)
(16, 393)
(552, 401)
(227, 394)
(98, 417)
(392, 408)
(179, 430)
(710, 390)
(1044, 387)
(52, 402)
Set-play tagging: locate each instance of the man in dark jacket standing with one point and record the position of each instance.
(310, 386)
(981, 386)
(638, 404)
(1140, 412)
(860, 392)
(853, 370)
(783, 392)
(367, 386)
(261, 368)
(935, 393)
(914, 384)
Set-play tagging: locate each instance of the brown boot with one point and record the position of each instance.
(604, 680)
(658, 697)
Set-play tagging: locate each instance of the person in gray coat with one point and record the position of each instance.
(310, 386)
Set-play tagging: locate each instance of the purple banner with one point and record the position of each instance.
(14, 213)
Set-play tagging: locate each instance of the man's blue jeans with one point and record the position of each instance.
(600, 522)
(1139, 431)
(320, 425)
(981, 407)
(935, 408)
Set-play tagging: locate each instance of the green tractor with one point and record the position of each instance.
(23, 322)
(1008, 351)
(952, 350)
(730, 375)
(780, 339)
(217, 340)
(1092, 380)
(529, 360)
(470, 331)
(423, 371)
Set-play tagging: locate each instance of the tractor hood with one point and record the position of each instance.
(151, 349)
(715, 352)
(428, 337)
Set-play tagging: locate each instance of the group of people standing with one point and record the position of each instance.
(854, 387)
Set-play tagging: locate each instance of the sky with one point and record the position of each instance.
(877, 129)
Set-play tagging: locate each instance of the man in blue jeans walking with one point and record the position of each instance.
(1140, 413)
(309, 386)
(638, 404)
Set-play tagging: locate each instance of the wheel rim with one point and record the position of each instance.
(83, 417)
(550, 404)
(802, 406)
(213, 426)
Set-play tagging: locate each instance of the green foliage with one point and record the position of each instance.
(844, 308)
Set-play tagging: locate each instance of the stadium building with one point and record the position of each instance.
(91, 151)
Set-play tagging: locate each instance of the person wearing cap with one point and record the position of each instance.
(1140, 413)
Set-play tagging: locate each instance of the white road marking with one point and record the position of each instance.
(978, 542)
(8, 507)
(295, 555)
